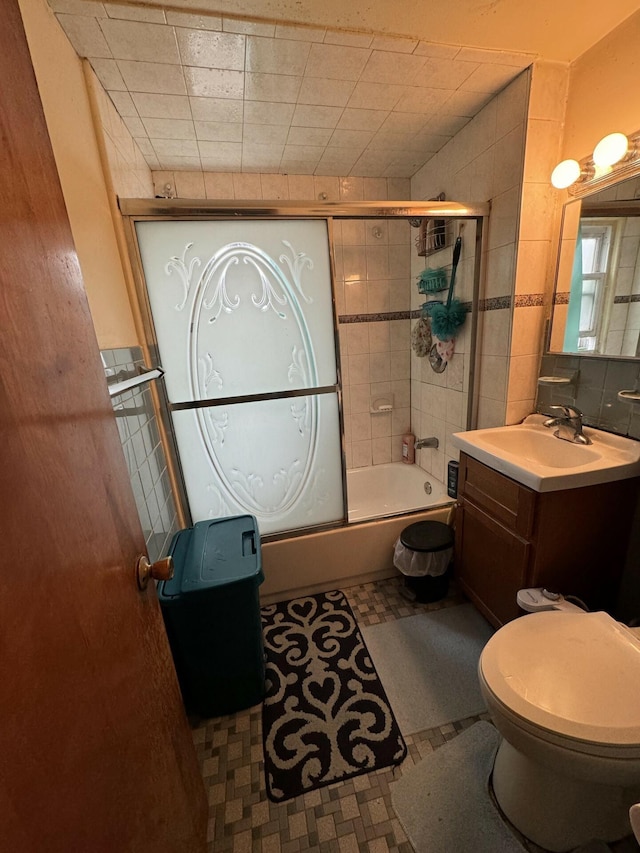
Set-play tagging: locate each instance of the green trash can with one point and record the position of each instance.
(211, 610)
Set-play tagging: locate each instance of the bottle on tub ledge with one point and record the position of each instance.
(408, 448)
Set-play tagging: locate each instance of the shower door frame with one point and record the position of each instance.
(140, 210)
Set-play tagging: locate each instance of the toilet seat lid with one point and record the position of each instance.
(577, 674)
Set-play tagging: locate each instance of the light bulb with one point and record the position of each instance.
(610, 150)
(565, 174)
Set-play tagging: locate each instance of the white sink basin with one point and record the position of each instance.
(531, 454)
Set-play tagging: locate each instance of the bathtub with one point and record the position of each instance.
(357, 552)
(390, 489)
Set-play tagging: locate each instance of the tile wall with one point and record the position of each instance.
(128, 170)
(372, 288)
(146, 462)
(504, 156)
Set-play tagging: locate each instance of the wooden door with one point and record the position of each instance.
(95, 750)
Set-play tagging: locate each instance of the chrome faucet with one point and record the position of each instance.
(568, 423)
(432, 441)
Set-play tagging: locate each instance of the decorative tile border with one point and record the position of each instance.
(376, 318)
(561, 298)
(529, 300)
(631, 297)
(495, 303)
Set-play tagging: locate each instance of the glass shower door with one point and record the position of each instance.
(243, 316)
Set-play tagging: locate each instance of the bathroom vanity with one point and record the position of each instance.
(510, 536)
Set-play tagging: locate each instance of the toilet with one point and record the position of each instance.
(563, 689)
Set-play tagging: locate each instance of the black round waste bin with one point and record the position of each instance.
(423, 554)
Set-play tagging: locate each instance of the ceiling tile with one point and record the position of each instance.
(298, 167)
(220, 150)
(298, 153)
(308, 136)
(316, 116)
(194, 21)
(353, 119)
(152, 77)
(392, 141)
(404, 122)
(175, 148)
(108, 74)
(145, 146)
(465, 103)
(418, 99)
(348, 39)
(446, 73)
(161, 106)
(214, 83)
(216, 109)
(384, 67)
(123, 103)
(272, 87)
(207, 49)
(336, 161)
(497, 57)
(395, 44)
(160, 128)
(438, 51)
(267, 112)
(275, 56)
(218, 131)
(325, 93)
(135, 127)
(265, 134)
(490, 78)
(428, 141)
(382, 96)
(249, 28)
(175, 161)
(336, 62)
(285, 31)
(133, 13)
(85, 35)
(255, 156)
(222, 160)
(140, 42)
(89, 8)
(357, 139)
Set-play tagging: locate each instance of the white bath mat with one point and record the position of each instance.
(443, 803)
(428, 665)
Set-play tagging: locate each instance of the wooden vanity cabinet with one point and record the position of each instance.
(509, 537)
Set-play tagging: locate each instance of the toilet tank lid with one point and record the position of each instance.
(577, 674)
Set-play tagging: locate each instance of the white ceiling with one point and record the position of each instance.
(221, 93)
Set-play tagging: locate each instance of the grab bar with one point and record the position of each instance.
(147, 375)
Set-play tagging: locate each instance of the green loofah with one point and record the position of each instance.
(447, 319)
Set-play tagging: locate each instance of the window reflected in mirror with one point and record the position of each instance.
(596, 307)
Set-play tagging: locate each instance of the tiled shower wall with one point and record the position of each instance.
(140, 437)
(372, 282)
(505, 156)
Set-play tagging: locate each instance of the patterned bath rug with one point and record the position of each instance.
(325, 715)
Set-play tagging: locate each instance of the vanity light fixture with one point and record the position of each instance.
(612, 158)
(610, 150)
(565, 173)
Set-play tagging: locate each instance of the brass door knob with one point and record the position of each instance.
(161, 570)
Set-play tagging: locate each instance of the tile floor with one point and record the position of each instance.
(347, 817)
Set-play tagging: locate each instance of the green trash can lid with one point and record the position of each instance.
(214, 553)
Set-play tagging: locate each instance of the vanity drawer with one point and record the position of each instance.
(505, 500)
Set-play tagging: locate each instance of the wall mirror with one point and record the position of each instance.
(596, 308)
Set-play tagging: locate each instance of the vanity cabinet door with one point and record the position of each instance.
(491, 563)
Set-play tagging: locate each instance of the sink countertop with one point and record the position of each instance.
(532, 455)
